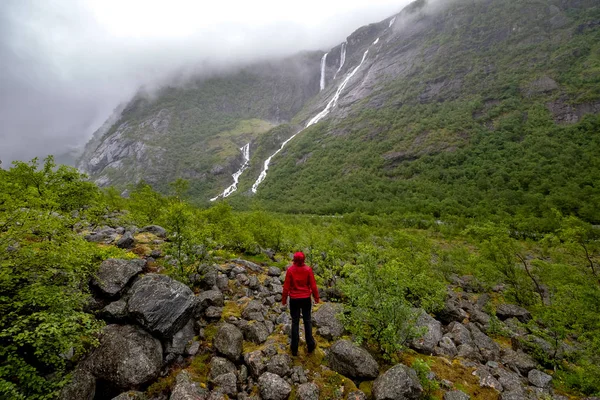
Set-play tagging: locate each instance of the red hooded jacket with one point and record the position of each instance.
(299, 281)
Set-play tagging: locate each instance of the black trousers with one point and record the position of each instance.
(296, 306)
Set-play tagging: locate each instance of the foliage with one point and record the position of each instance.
(422, 368)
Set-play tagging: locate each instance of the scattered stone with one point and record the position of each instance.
(156, 230)
(126, 241)
(255, 362)
(280, 365)
(156, 253)
(486, 379)
(127, 356)
(273, 387)
(161, 304)
(208, 298)
(254, 310)
(446, 348)
(222, 282)
(327, 317)
(489, 349)
(220, 366)
(255, 332)
(517, 361)
(309, 391)
(469, 351)
(116, 311)
(505, 311)
(427, 342)
(459, 333)
(186, 389)
(397, 383)
(227, 383)
(193, 348)
(114, 274)
(180, 340)
(274, 271)
(451, 311)
(456, 395)
(228, 341)
(539, 379)
(353, 361)
(357, 395)
(213, 313)
(248, 264)
(298, 375)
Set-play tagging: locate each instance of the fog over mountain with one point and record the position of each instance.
(67, 64)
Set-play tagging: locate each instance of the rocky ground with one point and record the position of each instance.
(226, 337)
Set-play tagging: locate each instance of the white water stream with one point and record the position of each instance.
(323, 65)
(342, 59)
(392, 22)
(330, 105)
(236, 176)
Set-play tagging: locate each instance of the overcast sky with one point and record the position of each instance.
(66, 64)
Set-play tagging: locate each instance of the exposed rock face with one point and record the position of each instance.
(505, 311)
(228, 341)
(351, 360)
(327, 317)
(160, 304)
(398, 383)
(114, 274)
(127, 356)
(273, 387)
(427, 342)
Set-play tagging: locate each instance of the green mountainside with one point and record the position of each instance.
(471, 109)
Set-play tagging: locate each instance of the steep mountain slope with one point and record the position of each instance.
(470, 108)
(195, 130)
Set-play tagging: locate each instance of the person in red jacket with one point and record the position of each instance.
(299, 285)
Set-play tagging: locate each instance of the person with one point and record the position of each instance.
(299, 284)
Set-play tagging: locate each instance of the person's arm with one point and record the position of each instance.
(313, 286)
(286, 288)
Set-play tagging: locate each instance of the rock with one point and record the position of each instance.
(459, 333)
(357, 395)
(180, 340)
(489, 349)
(469, 351)
(116, 311)
(131, 395)
(208, 298)
(446, 348)
(510, 381)
(280, 365)
(254, 310)
(513, 395)
(161, 304)
(505, 311)
(273, 387)
(274, 271)
(351, 360)
(327, 317)
(186, 389)
(253, 282)
(255, 332)
(114, 274)
(207, 276)
(127, 356)
(192, 348)
(517, 361)
(486, 379)
(298, 375)
(248, 264)
(222, 282)
(456, 395)
(481, 319)
(126, 241)
(256, 362)
(156, 253)
(397, 383)
(213, 313)
(82, 386)
(156, 230)
(227, 383)
(539, 379)
(427, 342)
(308, 391)
(220, 366)
(228, 341)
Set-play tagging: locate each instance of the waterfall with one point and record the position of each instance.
(342, 59)
(236, 176)
(323, 65)
(332, 103)
(392, 22)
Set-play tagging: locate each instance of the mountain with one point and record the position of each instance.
(476, 108)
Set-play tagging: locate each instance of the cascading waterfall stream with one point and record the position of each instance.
(342, 59)
(323, 65)
(330, 105)
(236, 176)
(392, 22)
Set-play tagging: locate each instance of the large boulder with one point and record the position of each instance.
(273, 387)
(489, 349)
(156, 230)
(327, 317)
(255, 332)
(127, 356)
(114, 274)
(459, 333)
(82, 386)
(431, 336)
(254, 310)
(351, 360)
(506, 311)
(228, 341)
(308, 391)
(161, 304)
(220, 366)
(256, 362)
(280, 364)
(398, 383)
(181, 339)
(226, 383)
